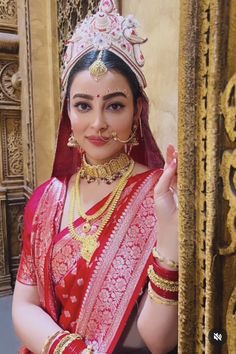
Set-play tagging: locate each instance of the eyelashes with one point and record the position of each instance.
(86, 107)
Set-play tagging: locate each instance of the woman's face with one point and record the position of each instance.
(105, 105)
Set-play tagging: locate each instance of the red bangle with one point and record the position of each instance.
(170, 295)
(76, 346)
(165, 273)
(56, 341)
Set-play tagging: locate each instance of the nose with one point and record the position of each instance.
(99, 121)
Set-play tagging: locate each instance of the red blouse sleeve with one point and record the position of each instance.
(26, 271)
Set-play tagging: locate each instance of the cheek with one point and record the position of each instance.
(77, 123)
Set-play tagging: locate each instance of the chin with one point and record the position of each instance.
(101, 157)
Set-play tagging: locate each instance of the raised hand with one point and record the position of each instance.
(166, 204)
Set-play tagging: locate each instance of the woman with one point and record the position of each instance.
(90, 230)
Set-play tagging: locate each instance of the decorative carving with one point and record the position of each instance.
(231, 322)
(69, 14)
(228, 173)
(8, 74)
(15, 227)
(12, 154)
(8, 10)
(200, 78)
(14, 148)
(202, 204)
(228, 106)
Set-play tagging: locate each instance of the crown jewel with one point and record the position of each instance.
(107, 30)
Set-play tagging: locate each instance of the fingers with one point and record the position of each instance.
(170, 154)
(164, 182)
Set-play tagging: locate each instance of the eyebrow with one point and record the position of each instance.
(106, 97)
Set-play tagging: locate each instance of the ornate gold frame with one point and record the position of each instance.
(207, 102)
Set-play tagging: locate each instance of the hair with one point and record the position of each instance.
(112, 62)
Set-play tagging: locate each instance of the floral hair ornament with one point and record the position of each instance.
(106, 30)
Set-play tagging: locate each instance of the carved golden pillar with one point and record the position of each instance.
(207, 276)
(11, 163)
(39, 68)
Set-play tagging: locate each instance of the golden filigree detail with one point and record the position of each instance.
(228, 174)
(228, 106)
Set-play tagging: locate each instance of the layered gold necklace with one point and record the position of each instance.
(89, 240)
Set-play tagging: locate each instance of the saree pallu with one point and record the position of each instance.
(94, 300)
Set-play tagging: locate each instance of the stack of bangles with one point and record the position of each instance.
(66, 343)
(163, 284)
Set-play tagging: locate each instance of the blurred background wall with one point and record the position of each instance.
(159, 21)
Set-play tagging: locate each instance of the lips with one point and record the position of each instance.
(96, 140)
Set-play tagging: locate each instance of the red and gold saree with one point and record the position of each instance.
(93, 300)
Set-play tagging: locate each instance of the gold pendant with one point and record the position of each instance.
(88, 247)
(86, 227)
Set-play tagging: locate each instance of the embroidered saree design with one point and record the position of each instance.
(93, 300)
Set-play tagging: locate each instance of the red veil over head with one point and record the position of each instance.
(106, 30)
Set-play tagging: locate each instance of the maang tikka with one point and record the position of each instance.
(98, 68)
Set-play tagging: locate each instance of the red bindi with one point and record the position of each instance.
(98, 96)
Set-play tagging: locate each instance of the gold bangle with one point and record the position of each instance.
(161, 259)
(50, 340)
(158, 299)
(67, 340)
(164, 284)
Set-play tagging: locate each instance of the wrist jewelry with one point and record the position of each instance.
(65, 342)
(158, 299)
(160, 258)
(162, 283)
(56, 340)
(50, 340)
(163, 272)
(168, 295)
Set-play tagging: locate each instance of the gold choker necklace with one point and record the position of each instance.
(108, 172)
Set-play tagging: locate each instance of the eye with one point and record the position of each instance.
(82, 106)
(115, 107)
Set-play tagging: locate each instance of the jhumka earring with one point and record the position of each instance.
(133, 140)
(72, 142)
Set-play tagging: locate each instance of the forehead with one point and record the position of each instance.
(111, 81)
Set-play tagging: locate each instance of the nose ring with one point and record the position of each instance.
(103, 137)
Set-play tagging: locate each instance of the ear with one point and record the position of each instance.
(138, 110)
